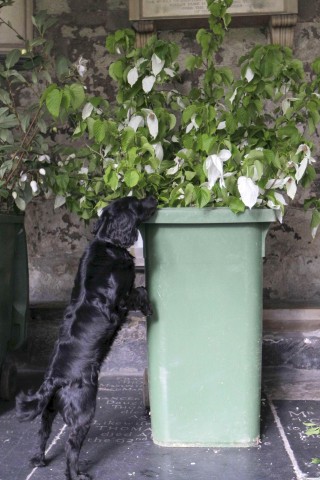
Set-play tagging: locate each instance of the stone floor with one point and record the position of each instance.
(119, 445)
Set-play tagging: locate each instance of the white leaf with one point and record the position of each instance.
(249, 191)
(87, 110)
(276, 183)
(249, 74)
(157, 64)
(170, 72)
(44, 158)
(285, 105)
(221, 126)
(192, 124)
(291, 188)
(136, 121)
(314, 231)
(233, 96)
(132, 76)
(34, 186)
(279, 215)
(21, 204)
(147, 83)
(305, 149)
(59, 201)
(152, 123)
(301, 169)
(141, 61)
(224, 154)
(180, 103)
(149, 169)
(158, 150)
(280, 198)
(214, 167)
(173, 170)
(189, 127)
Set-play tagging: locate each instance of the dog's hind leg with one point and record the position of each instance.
(78, 412)
(73, 447)
(47, 418)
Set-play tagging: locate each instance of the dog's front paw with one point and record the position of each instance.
(78, 476)
(84, 476)
(146, 309)
(38, 461)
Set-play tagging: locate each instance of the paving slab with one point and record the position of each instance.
(119, 445)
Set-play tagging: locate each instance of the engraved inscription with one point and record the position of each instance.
(121, 417)
(196, 8)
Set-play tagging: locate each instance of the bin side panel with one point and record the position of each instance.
(7, 251)
(204, 339)
(20, 302)
(14, 287)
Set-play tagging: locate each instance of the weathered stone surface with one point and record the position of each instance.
(57, 239)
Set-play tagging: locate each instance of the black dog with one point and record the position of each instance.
(103, 293)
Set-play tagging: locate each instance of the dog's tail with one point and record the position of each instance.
(30, 405)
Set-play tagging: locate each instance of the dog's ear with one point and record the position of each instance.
(118, 228)
(100, 221)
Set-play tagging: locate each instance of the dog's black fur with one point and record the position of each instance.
(103, 293)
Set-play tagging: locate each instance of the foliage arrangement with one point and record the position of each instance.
(28, 156)
(233, 142)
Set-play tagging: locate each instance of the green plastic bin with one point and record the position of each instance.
(14, 291)
(204, 276)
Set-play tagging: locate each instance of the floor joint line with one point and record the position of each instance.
(54, 441)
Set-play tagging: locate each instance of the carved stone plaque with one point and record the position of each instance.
(19, 15)
(159, 9)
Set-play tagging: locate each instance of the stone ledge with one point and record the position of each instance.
(298, 319)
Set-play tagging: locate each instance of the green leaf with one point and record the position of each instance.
(315, 222)
(53, 102)
(316, 66)
(6, 166)
(62, 181)
(189, 194)
(62, 66)
(203, 196)
(207, 143)
(99, 130)
(116, 70)
(12, 58)
(111, 179)
(259, 168)
(188, 112)
(131, 178)
(127, 138)
(193, 62)
(287, 131)
(231, 123)
(236, 205)
(190, 175)
(173, 121)
(5, 97)
(77, 95)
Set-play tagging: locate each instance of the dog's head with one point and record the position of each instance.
(120, 220)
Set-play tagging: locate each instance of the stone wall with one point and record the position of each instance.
(57, 239)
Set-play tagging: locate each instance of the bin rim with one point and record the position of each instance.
(208, 215)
